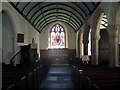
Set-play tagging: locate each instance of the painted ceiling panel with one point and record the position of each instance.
(36, 16)
(61, 19)
(30, 7)
(40, 14)
(31, 13)
(36, 20)
(22, 5)
(26, 10)
(64, 18)
(83, 8)
(67, 17)
(44, 22)
(90, 5)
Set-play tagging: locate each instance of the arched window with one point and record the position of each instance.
(89, 44)
(104, 22)
(57, 36)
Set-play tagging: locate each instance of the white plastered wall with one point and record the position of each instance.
(20, 25)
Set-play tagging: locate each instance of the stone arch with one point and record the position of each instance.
(78, 44)
(81, 43)
(96, 20)
(86, 37)
(112, 31)
(95, 29)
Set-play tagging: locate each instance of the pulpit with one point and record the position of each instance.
(28, 53)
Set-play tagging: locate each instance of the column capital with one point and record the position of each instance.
(97, 37)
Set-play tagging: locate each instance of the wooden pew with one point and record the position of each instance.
(30, 81)
(98, 77)
(24, 77)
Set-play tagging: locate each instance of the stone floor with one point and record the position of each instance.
(58, 77)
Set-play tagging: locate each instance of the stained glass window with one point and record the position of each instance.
(57, 37)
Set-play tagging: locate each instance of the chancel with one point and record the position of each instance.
(67, 45)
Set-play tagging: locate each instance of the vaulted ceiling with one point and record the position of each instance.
(40, 14)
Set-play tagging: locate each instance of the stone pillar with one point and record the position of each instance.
(1, 32)
(113, 47)
(77, 44)
(86, 47)
(81, 43)
(95, 49)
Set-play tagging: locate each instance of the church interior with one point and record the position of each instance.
(50, 45)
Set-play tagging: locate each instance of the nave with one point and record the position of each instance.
(39, 76)
(35, 35)
(58, 77)
(76, 75)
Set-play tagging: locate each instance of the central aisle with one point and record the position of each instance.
(58, 77)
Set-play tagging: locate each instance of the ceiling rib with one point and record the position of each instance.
(93, 3)
(22, 14)
(17, 4)
(58, 18)
(55, 4)
(71, 13)
(65, 11)
(32, 9)
(86, 7)
(80, 8)
(25, 6)
(53, 13)
(41, 24)
(51, 21)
